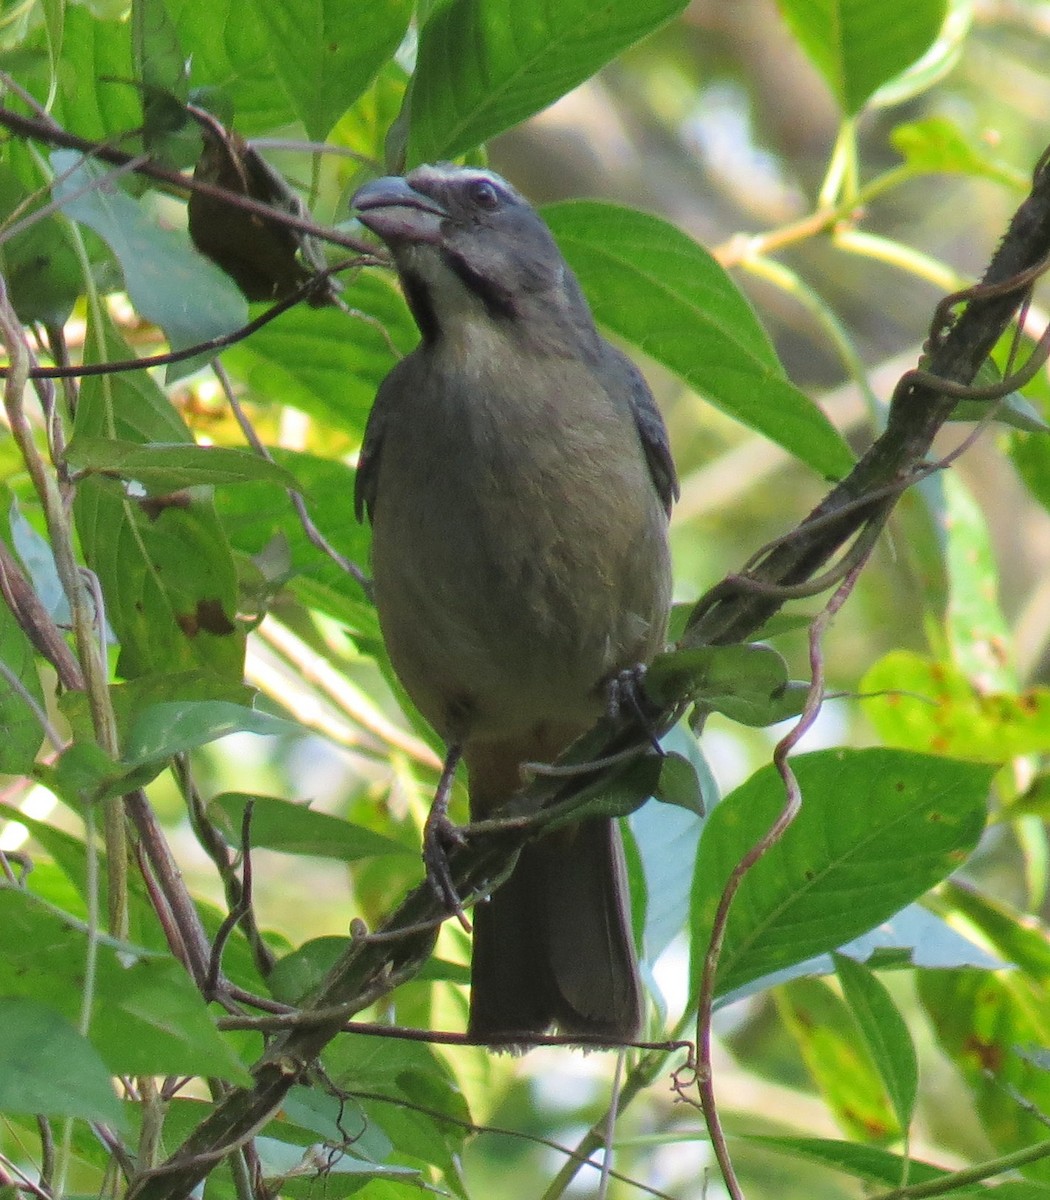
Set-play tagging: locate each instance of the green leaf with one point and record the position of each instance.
(877, 828)
(484, 65)
(857, 45)
(870, 1163)
(325, 362)
(39, 264)
(296, 829)
(326, 52)
(415, 1074)
(932, 706)
(748, 683)
(1031, 457)
(165, 568)
(22, 731)
(679, 785)
(978, 632)
(979, 1018)
(168, 577)
(166, 729)
(96, 53)
(147, 1017)
(296, 975)
(658, 289)
(47, 1067)
(885, 1033)
(167, 467)
(261, 524)
(937, 144)
(161, 268)
(839, 1061)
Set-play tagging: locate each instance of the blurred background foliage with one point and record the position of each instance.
(721, 123)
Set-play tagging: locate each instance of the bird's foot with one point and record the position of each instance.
(625, 694)
(440, 837)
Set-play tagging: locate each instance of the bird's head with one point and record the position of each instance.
(467, 246)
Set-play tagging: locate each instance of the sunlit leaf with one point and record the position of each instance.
(296, 829)
(857, 45)
(658, 289)
(484, 65)
(877, 828)
(931, 706)
(885, 1033)
(326, 52)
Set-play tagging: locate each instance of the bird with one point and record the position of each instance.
(518, 478)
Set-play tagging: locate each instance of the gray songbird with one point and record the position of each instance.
(517, 475)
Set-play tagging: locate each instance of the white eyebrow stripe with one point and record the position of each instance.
(454, 174)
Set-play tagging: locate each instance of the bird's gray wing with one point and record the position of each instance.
(387, 399)
(630, 382)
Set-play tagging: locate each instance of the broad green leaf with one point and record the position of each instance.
(484, 65)
(870, 1163)
(39, 264)
(977, 630)
(913, 937)
(296, 975)
(748, 683)
(162, 70)
(365, 126)
(325, 362)
(296, 829)
(21, 698)
(885, 1034)
(159, 58)
(147, 1017)
(1020, 938)
(167, 467)
(166, 729)
(1031, 456)
(877, 829)
(84, 774)
(227, 46)
(980, 1019)
(655, 287)
(839, 1062)
(858, 45)
(679, 785)
(932, 706)
(937, 144)
(94, 99)
(326, 52)
(169, 580)
(164, 565)
(168, 281)
(938, 61)
(261, 523)
(412, 1072)
(47, 1067)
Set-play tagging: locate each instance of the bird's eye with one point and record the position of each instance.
(485, 195)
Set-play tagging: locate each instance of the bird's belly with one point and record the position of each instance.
(505, 602)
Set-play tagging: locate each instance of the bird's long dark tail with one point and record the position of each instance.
(553, 945)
